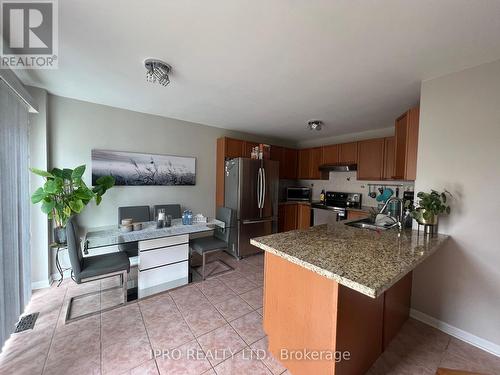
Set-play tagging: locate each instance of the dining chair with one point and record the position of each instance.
(218, 242)
(173, 210)
(86, 269)
(139, 214)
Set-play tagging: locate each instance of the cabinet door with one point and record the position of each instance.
(304, 216)
(348, 153)
(315, 161)
(290, 217)
(351, 215)
(389, 157)
(371, 159)
(400, 150)
(248, 148)
(331, 154)
(303, 164)
(290, 157)
(235, 148)
(281, 218)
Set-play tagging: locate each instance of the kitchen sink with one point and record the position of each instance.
(370, 224)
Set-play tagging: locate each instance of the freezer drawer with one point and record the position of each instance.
(251, 229)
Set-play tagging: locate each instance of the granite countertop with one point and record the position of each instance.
(369, 262)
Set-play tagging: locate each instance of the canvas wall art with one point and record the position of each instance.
(136, 169)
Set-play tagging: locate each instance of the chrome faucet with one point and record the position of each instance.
(399, 218)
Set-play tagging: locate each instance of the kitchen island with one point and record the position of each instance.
(335, 296)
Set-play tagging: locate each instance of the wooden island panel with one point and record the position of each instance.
(304, 310)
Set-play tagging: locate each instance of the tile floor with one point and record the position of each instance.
(214, 327)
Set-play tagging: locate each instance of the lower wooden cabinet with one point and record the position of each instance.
(352, 215)
(293, 216)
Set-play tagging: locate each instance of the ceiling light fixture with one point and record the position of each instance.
(315, 124)
(157, 71)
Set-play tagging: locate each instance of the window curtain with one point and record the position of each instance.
(15, 266)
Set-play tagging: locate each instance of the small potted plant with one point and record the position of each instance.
(430, 206)
(65, 194)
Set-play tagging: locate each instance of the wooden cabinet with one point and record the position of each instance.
(304, 160)
(371, 159)
(331, 154)
(287, 157)
(348, 153)
(389, 157)
(406, 143)
(290, 157)
(352, 215)
(293, 216)
(233, 148)
(309, 161)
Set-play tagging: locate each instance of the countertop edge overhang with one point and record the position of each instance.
(347, 282)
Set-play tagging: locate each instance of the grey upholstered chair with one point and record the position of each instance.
(139, 214)
(95, 267)
(173, 210)
(218, 242)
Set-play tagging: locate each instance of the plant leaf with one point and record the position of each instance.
(50, 187)
(78, 172)
(56, 172)
(76, 205)
(41, 173)
(106, 181)
(67, 173)
(98, 199)
(48, 206)
(38, 195)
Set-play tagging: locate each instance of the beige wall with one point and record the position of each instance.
(77, 127)
(459, 149)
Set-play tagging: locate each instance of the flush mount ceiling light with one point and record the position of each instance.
(315, 124)
(157, 71)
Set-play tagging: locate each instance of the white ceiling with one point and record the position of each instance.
(268, 66)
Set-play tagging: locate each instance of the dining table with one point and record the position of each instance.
(163, 252)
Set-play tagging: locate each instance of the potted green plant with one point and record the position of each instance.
(430, 206)
(65, 194)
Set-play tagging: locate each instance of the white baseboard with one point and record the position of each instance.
(41, 284)
(474, 340)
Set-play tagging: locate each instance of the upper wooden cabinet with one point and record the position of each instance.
(287, 157)
(309, 161)
(389, 157)
(233, 148)
(371, 159)
(348, 153)
(331, 154)
(406, 140)
(304, 159)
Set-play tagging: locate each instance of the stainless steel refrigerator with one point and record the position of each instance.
(251, 191)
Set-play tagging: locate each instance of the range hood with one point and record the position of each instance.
(338, 167)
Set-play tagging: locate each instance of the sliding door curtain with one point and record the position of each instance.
(15, 280)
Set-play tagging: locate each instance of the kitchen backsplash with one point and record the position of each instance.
(347, 182)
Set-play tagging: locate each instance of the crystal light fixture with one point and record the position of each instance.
(315, 124)
(157, 71)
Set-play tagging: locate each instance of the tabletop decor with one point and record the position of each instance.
(133, 169)
(65, 194)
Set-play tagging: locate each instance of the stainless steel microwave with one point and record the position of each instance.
(298, 193)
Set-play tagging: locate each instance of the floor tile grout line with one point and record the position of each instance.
(149, 339)
(189, 327)
(54, 331)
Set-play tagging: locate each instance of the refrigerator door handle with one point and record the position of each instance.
(259, 189)
(263, 187)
